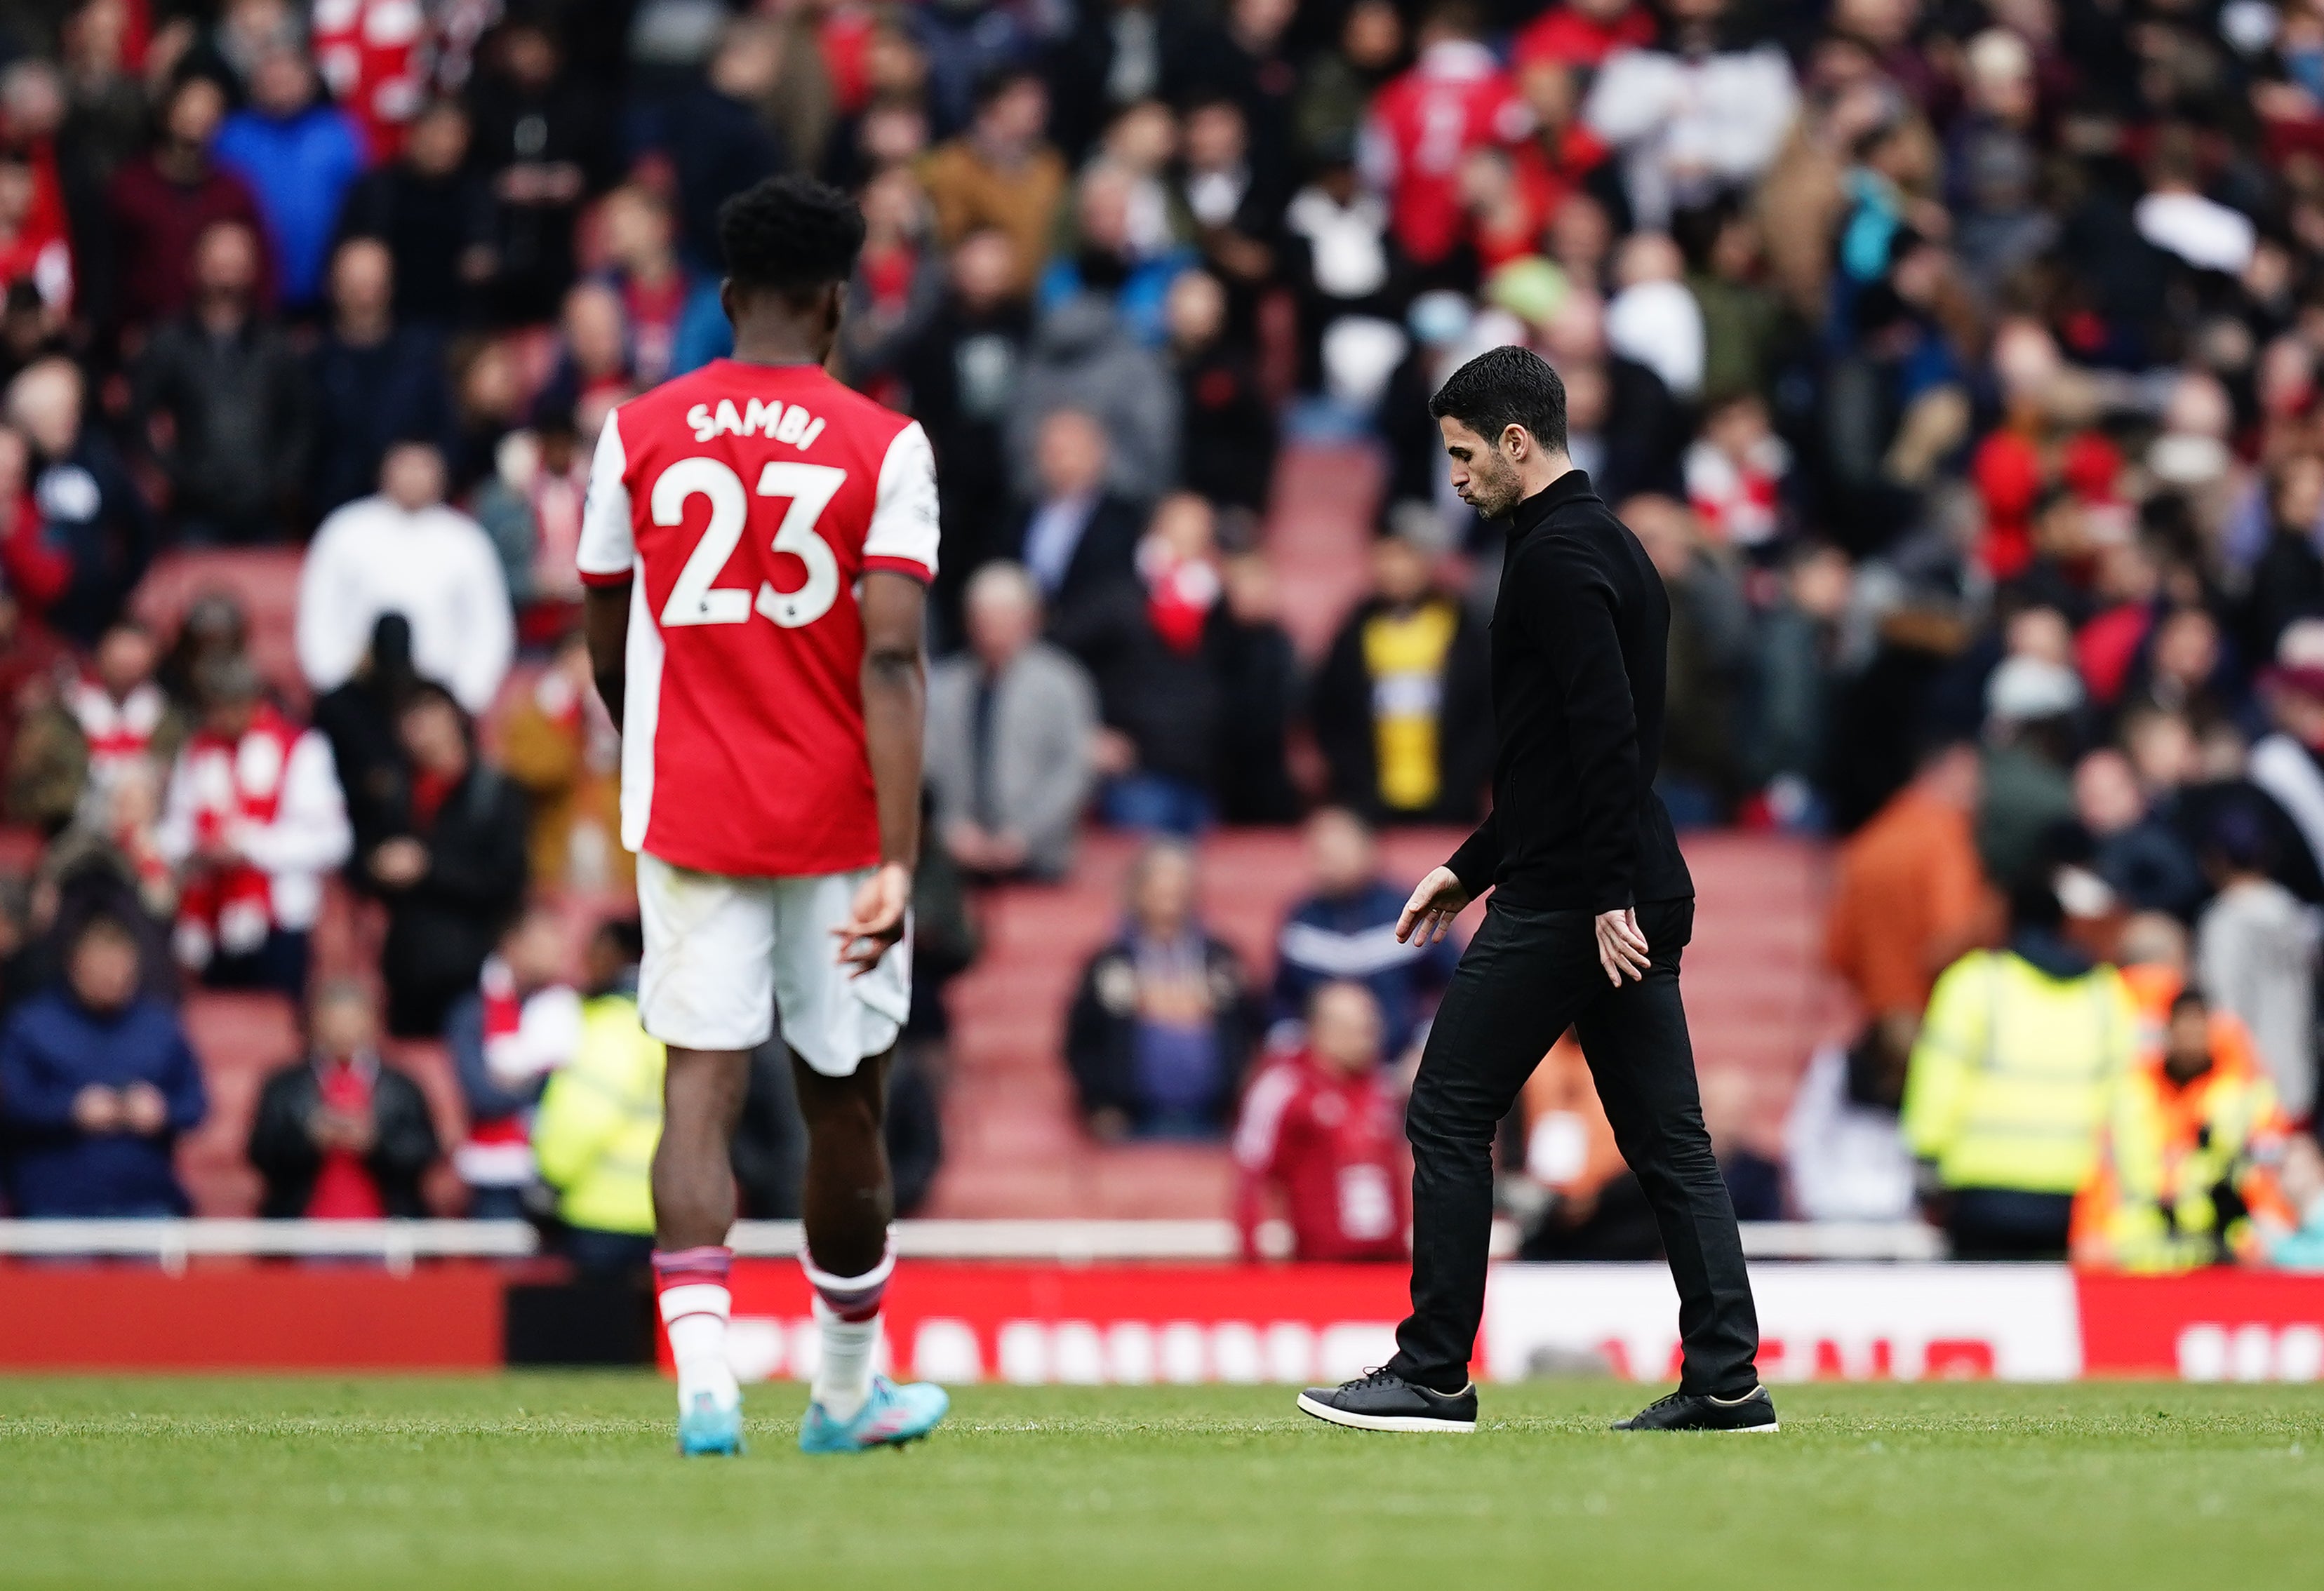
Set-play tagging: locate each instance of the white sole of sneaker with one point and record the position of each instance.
(1411, 1424)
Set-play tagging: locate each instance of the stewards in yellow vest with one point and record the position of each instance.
(600, 1118)
(2014, 1064)
(2186, 1168)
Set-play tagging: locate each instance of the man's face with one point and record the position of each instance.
(104, 969)
(1483, 476)
(343, 1028)
(431, 734)
(1343, 1029)
(1340, 853)
(125, 660)
(412, 477)
(1001, 623)
(2189, 1053)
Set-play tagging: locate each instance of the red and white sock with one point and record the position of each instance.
(847, 1312)
(695, 1303)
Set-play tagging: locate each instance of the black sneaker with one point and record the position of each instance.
(1683, 1410)
(1381, 1400)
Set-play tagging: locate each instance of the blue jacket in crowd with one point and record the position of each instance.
(301, 167)
(51, 1049)
(1352, 939)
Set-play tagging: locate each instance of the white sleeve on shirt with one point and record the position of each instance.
(904, 519)
(608, 544)
(332, 628)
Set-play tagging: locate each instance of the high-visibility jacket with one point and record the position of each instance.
(599, 1120)
(2012, 1071)
(2182, 1170)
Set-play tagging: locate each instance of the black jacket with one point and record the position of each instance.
(284, 1152)
(440, 930)
(1102, 1031)
(1347, 731)
(1104, 559)
(1580, 633)
(243, 425)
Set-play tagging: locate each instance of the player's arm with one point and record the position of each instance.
(605, 623)
(895, 702)
(607, 564)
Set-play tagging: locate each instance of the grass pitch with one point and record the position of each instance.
(569, 1481)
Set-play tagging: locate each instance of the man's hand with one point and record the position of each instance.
(876, 921)
(144, 1110)
(400, 863)
(1622, 948)
(1429, 913)
(96, 1110)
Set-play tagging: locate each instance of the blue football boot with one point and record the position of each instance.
(890, 1417)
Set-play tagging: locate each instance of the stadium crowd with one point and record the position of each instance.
(1956, 362)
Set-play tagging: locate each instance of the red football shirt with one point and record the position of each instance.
(1334, 1146)
(742, 502)
(1453, 99)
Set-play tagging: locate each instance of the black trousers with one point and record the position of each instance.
(1526, 977)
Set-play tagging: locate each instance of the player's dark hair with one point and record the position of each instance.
(1503, 387)
(790, 234)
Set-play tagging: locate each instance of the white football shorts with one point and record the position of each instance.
(724, 954)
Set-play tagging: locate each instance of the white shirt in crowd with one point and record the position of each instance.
(435, 567)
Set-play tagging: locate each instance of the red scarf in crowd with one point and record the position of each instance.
(498, 1153)
(345, 1188)
(238, 784)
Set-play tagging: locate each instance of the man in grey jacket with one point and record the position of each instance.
(1009, 727)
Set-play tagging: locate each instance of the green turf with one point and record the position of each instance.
(569, 1481)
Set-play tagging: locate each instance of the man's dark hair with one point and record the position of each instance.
(1503, 387)
(790, 234)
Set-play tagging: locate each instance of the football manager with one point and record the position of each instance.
(1590, 911)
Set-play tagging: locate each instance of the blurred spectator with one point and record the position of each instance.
(1453, 98)
(1910, 896)
(340, 1134)
(560, 745)
(2011, 1074)
(1844, 1153)
(1121, 52)
(2287, 583)
(97, 1081)
(898, 283)
(1079, 540)
(1000, 173)
(404, 550)
(2140, 855)
(717, 138)
(530, 508)
(1799, 672)
(300, 153)
(254, 820)
(125, 720)
(456, 873)
(1225, 420)
(1321, 1127)
(160, 204)
(1233, 204)
(1157, 648)
(2185, 1173)
(2288, 763)
(1082, 358)
(1162, 1024)
(373, 382)
(1011, 723)
(2299, 1244)
(221, 400)
(600, 1117)
(1711, 657)
(1575, 1198)
(93, 536)
(1400, 706)
(1343, 270)
(1692, 117)
(1343, 930)
(1124, 252)
(541, 141)
(1337, 83)
(2030, 703)
(1735, 474)
(961, 370)
(1752, 1173)
(521, 1024)
(36, 265)
(2256, 956)
(643, 263)
(359, 720)
(435, 215)
(1262, 674)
